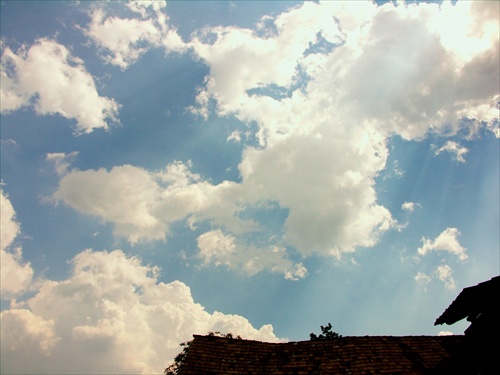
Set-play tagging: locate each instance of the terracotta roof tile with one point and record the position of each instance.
(345, 355)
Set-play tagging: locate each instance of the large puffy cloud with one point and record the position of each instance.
(329, 191)
(27, 339)
(403, 78)
(142, 205)
(56, 82)
(327, 84)
(110, 316)
(405, 69)
(16, 275)
(343, 215)
(237, 55)
(124, 196)
(123, 40)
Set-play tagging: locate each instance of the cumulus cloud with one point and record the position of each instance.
(9, 228)
(123, 40)
(425, 80)
(111, 315)
(447, 241)
(215, 247)
(322, 137)
(445, 274)
(16, 275)
(327, 85)
(219, 249)
(47, 76)
(455, 149)
(410, 206)
(331, 199)
(142, 204)
(26, 336)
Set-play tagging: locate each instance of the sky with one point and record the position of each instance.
(254, 168)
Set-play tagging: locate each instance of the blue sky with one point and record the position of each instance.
(259, 168)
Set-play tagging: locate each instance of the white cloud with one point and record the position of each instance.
(423, 83)
(215, 246)
(445, 333)
(61, 160)
(143, 6)
(409, 206)
(331, 198)
(9, 228)
(47, 76)
(219, 249)
(322, 145)
(234, 136)
(446, 241)
(16, 276)
(123, 40)
(27, 339)
(324, 117)
(125, 196)
(111, 315)
(143, 204)
(445, 274)
(422, 279)
(455, 149)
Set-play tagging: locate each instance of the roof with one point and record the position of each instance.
(472, 301)
(210, 355)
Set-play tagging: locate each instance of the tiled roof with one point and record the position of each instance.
(210, 355)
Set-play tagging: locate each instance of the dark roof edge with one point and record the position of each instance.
(212, 337)
(452, 314)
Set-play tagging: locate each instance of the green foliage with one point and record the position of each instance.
(227, 335)
(326, 334)
(176, 366)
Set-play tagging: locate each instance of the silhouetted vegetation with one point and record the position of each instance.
(326, 334)
(176, 366)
